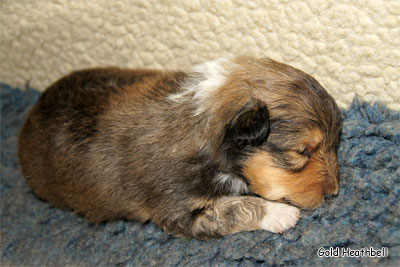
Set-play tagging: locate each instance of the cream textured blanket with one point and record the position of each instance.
(351, 47)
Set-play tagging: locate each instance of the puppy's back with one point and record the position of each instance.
(61, 148)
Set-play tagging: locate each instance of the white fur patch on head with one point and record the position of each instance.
(206, 78)
(237, 185)
(214, 76)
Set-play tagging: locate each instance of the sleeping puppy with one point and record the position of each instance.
(234, 145)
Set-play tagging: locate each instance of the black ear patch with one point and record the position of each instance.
(250, 127)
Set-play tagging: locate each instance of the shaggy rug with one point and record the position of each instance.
(365, 214)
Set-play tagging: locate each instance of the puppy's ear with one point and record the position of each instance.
(249, 127)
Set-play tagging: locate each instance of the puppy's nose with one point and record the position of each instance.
(331, 191)
(330, 196)
(331, 185)
(335, 192)
(332, 178)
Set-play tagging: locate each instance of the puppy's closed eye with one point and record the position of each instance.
(296, 160)
(305, 152)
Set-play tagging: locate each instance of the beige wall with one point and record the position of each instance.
(349, 46)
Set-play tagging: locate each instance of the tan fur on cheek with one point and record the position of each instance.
(264, 178)
(302, 189)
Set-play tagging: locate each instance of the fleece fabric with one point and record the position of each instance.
(350, 46)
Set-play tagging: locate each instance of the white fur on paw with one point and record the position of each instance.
(280, 217)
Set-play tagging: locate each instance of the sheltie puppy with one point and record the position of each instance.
(233, 145)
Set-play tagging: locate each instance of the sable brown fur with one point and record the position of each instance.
(109, 143)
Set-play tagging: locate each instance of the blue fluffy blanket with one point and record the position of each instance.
(365, 214)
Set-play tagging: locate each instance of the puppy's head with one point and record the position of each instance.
(284, 134)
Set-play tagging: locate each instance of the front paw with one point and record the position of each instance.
(279, 217)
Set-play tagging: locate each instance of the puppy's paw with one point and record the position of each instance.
(280, 217)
